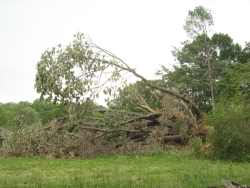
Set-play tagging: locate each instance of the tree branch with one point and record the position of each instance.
(114, 131)
(147, 117)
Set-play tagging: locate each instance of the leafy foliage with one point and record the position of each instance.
(26, 113)
(191, 77)
(74, 75)
(230, 138)
(27, 116)
(48, 111)
(198, 22)
(235, 83)
(7, 117)
(133, 96)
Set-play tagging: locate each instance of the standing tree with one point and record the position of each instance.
(190, 78)
(201, 60)
(198, 24)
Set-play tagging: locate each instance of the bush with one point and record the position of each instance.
(230, 137)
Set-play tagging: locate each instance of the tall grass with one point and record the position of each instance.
(165, 169)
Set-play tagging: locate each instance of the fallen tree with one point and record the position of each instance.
(78, 72)
(73, 76)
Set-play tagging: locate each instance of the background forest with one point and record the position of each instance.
(202, 101)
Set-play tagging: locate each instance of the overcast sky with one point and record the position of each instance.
(141, 32)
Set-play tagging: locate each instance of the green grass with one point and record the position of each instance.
(163, 169)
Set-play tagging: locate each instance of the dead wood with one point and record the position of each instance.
(202, 129)
(135, 136)
(172, 138)
(147, 107)
(150, 116)
(94, 124)
(151, 123)
(114, 131)
(139, 139)
(171, 133)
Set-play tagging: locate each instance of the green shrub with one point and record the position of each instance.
(231, 136)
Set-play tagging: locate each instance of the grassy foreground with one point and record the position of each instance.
(163, 169)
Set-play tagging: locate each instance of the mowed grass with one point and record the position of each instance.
(169, 168)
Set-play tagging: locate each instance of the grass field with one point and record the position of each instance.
(162, 169)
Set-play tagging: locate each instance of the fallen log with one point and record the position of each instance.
(139, 139)
(172, 138)
(135, 136)
(152, 123)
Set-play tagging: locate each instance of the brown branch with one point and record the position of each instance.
(113, 131)
(93, 124)
(147, 117)
(186, 107)
(147, 107)
(172, 138)
(101, 135)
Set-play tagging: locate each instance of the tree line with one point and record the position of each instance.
(26, 113)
